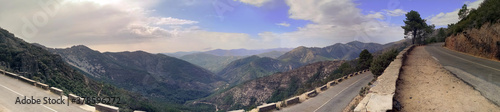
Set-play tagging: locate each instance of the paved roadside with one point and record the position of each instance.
(424, 85)
(336, 98)
(482, 74)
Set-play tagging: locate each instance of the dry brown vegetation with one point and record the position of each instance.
(483, 42)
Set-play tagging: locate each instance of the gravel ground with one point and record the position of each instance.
(424, 85)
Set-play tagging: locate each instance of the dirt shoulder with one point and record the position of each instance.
(424, 85)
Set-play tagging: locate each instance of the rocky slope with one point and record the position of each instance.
(253, 67)
(155, 75)
(260, 90)
(482, 42)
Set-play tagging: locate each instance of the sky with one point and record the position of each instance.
(162, 26)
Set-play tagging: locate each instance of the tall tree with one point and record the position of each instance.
(365, 59)
(463, 12)
(415, 26)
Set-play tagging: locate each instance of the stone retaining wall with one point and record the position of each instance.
(379, 98)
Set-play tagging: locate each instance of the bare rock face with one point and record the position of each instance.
(483, 42)
(260, 90)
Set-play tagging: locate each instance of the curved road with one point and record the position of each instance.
(335, 98)
(482, 74)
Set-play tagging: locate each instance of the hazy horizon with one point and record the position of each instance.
(167, 26)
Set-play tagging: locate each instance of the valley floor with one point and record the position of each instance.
(424, 85)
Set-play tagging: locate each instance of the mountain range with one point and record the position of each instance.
(36, 63)
(253, 67)
(157, 76)
(233, 52)
(216, 60)
(337, 51)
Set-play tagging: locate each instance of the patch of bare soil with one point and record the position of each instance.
(424, 85)
(354, 102)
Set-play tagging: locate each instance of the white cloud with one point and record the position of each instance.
(377, 15)
(170, 21)
(127, 25)
(339, 12)
(335, 21)
(93, 23)
(257, 3)
(285, 24)
(396, 12)
(443, 18)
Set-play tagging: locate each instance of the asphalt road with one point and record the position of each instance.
(334, 99)
(11, 89)
(482, 74)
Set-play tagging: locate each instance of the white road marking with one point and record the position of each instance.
(23, 95)
(435, 58)
(338, 94)
(470, 61)
(48, 108)
(11, 90)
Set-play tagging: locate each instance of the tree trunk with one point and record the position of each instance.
(414, 36)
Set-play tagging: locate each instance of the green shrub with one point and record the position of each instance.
(487, 12)
(381, 62)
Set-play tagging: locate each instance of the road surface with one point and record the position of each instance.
(482, 74)
(11, 89)
(334, 99)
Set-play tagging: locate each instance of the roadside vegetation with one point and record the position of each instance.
(420, 32)
(487, 12)
(381, 62)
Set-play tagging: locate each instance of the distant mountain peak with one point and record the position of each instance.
(80, 47)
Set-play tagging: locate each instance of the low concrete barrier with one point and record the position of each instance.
(76, 99)
(323, 88)
(293, 100)
(56, 91)
(241, 110)
(29, 81)
(11, 74)
(381, 95)
(108, 108)
(42, 85)
(303, 97)
(312, 93)
(267, 107)
(331, 83)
